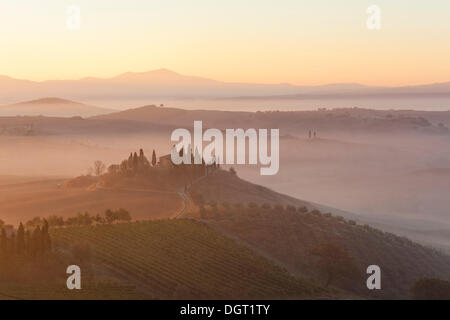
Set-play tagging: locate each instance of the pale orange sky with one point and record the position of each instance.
(263, 41)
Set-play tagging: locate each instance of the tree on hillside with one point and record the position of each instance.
(124, 167)
(143, 162)
(119, 215)
(123, 215)
(20, 247)
(135, 162)
(109, 216)
(130, 161)
(45, 237)
(334, 262)
(55, 221)
(99, 168)
(36, 221)
(154, 158)
(36, 242)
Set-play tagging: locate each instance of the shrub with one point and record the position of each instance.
(334, 262)
(31, 224)
(279, 208)
(55, 221)
(266, 206)
(252, 205)
(302, 209)
(119, 215)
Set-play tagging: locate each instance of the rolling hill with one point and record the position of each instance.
(236, 251)
(287, 231)
(182, 259)
(51, 107)
(44, 197)
(345, 120)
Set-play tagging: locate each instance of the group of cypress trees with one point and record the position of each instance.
(135, 163)
(138, 164)
(24, 242)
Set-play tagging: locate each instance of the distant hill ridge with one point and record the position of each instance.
(48, 100)
(51, 106)
(164, 83)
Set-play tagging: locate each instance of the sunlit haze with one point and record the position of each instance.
(292, 41)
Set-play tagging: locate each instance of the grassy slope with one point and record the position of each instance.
(289, 236)
(226, 187)
(183, 259)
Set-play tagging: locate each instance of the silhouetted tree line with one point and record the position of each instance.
(25, 242)
(134, 164)
(82, 219)
(213, 210)
(184, 174)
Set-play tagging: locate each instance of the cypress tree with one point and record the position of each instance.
(36, 242)
(154, 158)
(135, 161)
(130, 161)
(45, 237)
(20, 239)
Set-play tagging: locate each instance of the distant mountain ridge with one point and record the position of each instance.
(167, 84)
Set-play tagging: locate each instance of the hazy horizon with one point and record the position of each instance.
(324, 42)
(163, 86)
(232, 80)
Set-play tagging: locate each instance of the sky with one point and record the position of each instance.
(260, 41)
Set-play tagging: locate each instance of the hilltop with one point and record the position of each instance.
(328, 121)
(51, 107)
